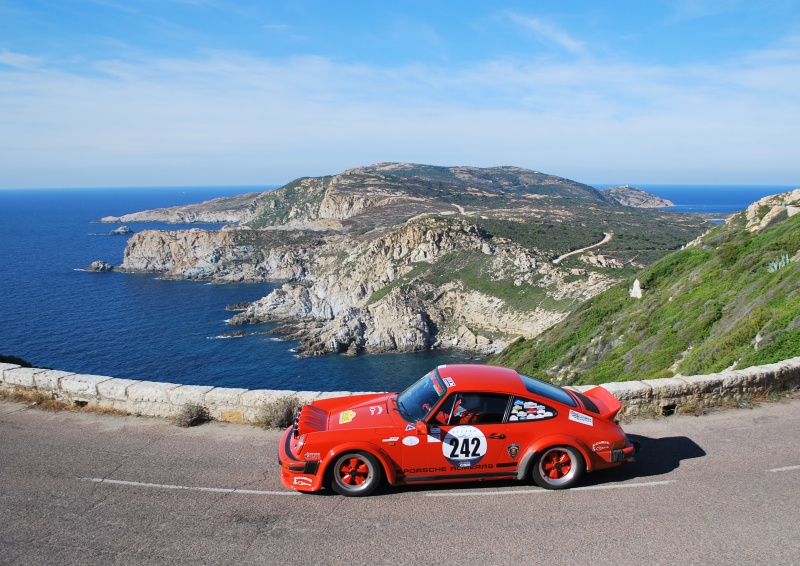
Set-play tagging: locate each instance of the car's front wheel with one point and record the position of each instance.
(558, 467)
(355, 473)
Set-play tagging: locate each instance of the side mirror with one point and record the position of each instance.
(422, 428)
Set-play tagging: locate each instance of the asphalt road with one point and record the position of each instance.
(96, 489)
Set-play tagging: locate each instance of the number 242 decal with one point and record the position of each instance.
(461, 448)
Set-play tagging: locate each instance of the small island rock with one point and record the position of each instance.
(101, 267)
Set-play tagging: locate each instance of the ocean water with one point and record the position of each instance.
(710, 199)
(54, 314)
(136, 326)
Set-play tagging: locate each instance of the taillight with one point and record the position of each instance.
(618, 444)
(296, 422)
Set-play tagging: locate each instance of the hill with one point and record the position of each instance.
(730, 299)
(401, 257)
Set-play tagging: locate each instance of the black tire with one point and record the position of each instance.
(355, 474)
(558, 467)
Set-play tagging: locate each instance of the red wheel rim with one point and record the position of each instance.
(557, 464)
(354, 471)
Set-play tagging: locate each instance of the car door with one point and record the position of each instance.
(465, 438)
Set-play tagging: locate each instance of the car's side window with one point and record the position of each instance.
(475, 408)
(524, 410)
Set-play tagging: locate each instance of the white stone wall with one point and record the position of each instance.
(158, 399)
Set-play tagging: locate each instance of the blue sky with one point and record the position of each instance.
(217, 92)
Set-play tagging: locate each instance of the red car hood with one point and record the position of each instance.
(342, 413)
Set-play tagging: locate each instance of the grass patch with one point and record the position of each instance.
(49, 402)
(39, 399)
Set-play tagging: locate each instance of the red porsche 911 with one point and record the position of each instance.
(457, 423)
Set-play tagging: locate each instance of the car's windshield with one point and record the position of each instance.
(416, 402)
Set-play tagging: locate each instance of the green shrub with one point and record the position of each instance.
(191, 415)
(776, 265)
(279, 413)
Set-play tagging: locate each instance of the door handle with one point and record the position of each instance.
(497, 436)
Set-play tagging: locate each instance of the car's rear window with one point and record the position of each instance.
(544, 389)
(588, 403)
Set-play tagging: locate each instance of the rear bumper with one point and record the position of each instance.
(619, 455)
(296, 474)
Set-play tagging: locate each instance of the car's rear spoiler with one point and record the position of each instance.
(607, 405)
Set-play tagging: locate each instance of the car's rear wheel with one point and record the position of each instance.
(355, 473)
(558, 467)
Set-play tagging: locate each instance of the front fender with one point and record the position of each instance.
(546, 442)
(385, 460)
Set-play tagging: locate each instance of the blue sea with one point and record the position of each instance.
(54, 314)
(711, 199)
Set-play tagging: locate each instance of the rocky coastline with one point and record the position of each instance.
(385, 259)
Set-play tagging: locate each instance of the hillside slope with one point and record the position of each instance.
(730, 299)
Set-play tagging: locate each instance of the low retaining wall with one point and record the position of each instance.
(158, 399)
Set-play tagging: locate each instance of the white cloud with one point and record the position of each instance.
(228, 118)
(550, 33)
(18, 60)
(696, 9)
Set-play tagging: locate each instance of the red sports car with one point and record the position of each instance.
(457, 423)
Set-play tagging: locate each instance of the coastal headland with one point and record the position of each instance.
(400, 257)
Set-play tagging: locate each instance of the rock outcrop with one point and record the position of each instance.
(100, 267)
(763, 212)
(232, 256)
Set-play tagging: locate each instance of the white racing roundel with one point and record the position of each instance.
(464, 446)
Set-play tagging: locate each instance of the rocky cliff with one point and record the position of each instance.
(382, 295)
(225, 256)
(401, 257)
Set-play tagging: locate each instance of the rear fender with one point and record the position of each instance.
(545, 442)
(389, 469)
